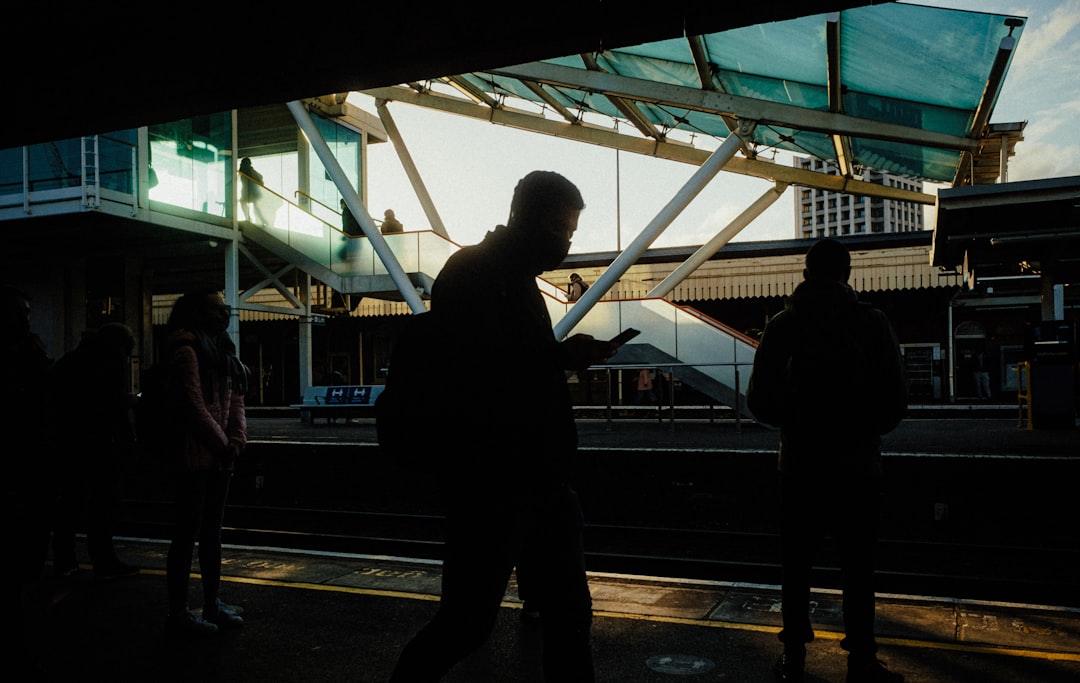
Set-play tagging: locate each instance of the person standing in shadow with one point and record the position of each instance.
(90, 389)
(828, 372)
(512, 492)
(26, 499)
(206, 384)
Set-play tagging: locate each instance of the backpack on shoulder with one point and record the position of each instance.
(410, 408)
(157, 428)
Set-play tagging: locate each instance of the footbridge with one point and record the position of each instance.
(701, 352)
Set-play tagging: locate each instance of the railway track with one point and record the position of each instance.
(1038, 573)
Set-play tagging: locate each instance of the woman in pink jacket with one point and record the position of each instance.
(207, 383)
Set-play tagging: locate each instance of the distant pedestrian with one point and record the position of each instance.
(982, 376)
(251, 190)
(645, 393)
(828, 372)
(208, 383)
(576, 287)
(390, 224)
(349, 225)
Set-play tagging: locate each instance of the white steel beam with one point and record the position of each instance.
(418, 186)
(697, 182)
(667, 149)
(706, 251)
(760, 111)
(352, 201)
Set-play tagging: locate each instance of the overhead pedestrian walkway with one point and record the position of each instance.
(706, 355)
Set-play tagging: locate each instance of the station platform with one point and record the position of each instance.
(337, 617)
(319, 617)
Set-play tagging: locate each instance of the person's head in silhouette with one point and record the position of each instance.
(545, 210)
(827, 261)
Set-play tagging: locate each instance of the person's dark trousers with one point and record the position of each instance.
(200, 510)
(810, 511)
(102, 505)
(65, 515)
(486, 529)
(90, 490)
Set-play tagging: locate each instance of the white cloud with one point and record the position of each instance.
(1040, 160)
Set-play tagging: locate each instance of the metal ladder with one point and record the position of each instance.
(91, 176)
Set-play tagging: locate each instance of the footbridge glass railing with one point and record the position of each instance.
(676, 336)
(322, 243)
(714, 357)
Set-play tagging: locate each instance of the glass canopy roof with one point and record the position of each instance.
(900, 88)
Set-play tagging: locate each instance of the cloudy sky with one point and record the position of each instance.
(470, 167)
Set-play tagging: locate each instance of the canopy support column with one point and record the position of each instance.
(434, 220)
(723, 237)
(352, 201)
(705, 173)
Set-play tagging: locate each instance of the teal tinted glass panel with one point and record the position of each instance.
(659, 70)
(54, 165)
(784, 50)
(345, 145)
(921, 67)
(793, 92)
(705, 123)
(805, 143)
(116, 159)
(933, 56)
(11, 171)
(191, 162)
(903, 159)
(671, 50)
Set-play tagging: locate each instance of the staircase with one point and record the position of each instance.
(704, 354)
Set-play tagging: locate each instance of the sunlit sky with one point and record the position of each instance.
(470, 167)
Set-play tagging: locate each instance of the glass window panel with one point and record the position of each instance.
(955, 52)
(55, 165)
(117, 162)
(785, 50)
(191, 160)
(345, 145)
(11, 170)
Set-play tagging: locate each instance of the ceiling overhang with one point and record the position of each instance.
(904, 89)
(94, 72)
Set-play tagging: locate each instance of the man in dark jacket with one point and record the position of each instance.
(509, 487)
(828, 372)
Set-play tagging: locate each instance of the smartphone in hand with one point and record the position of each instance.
(623, 337)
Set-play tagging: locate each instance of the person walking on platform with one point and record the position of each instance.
(511, 489)
(207, 382)
(828, 372)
